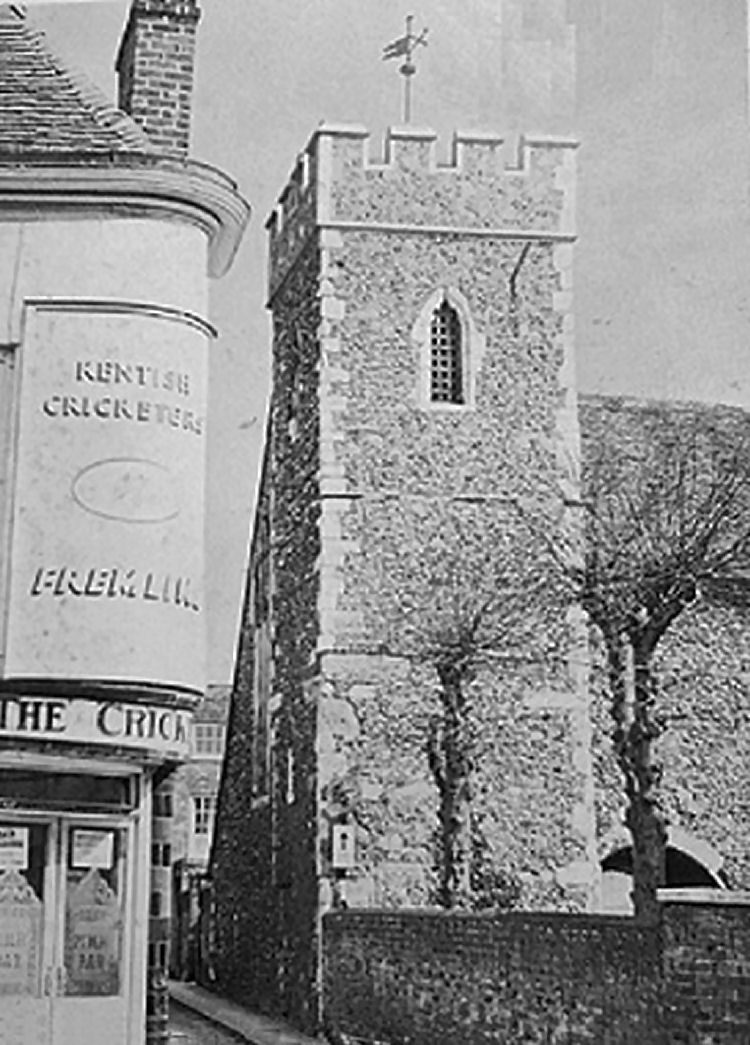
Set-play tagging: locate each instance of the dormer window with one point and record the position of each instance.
(446, 356)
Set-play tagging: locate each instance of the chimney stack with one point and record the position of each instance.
(155, 70)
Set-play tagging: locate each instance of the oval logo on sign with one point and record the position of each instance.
(127, 489)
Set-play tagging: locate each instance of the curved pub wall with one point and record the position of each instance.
(104, 381)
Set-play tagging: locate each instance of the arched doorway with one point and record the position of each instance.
(683, 871)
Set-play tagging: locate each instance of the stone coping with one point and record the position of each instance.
(706, 897)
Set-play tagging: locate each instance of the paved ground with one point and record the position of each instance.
(188, 1028)
(206, 1018)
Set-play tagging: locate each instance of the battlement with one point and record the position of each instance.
(520, 187)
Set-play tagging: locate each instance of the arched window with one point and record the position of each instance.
(449, 349)
(446, 355)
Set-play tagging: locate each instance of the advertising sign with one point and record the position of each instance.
(146, 727)
(14, 847)
(20, 939)
(106, 574)
(93, 848)
(93, 932)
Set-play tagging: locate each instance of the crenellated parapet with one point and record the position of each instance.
(517, 189)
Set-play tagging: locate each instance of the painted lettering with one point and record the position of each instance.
(122, 409)
(5, 704)
(107, 724)
(140, 725)
(180, 732)
(149, 594)
(70, 406)
(73, 586)
(135, 719)
(140, 411)
(32, 716)
(29, 715)
(55, 720)
(95, 582)
(102, 407)
(127, 588)
(85, 371)
(43, 579)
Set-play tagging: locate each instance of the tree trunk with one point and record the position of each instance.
(451, 764)
(633, 690)
(645, 816)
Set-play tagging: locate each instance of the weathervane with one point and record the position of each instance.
(405, 46)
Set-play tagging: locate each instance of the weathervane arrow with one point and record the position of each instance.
(404, 47)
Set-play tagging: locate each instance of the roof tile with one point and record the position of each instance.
(46, 107)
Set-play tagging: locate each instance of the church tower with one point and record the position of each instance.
(418, 497)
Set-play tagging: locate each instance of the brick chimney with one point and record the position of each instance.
(155, 67)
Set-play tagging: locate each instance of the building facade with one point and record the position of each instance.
(196, 791)
(108, 235)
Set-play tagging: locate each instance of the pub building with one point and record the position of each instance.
(108, 237)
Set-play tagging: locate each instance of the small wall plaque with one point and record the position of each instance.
(344, 848)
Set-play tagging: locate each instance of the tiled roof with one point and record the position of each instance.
(46, 108)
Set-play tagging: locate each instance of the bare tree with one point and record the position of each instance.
(666, 495)
(475, 588)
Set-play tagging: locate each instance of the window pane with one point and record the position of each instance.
(24, 852)
(209, 738)
(63, 790)
(446, 377)
(94, 911)
(204, 810)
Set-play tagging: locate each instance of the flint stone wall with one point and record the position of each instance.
(400, 479)
(703, 665)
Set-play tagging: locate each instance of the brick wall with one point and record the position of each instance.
(155, 68)
(706, 968)
(438, 979)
